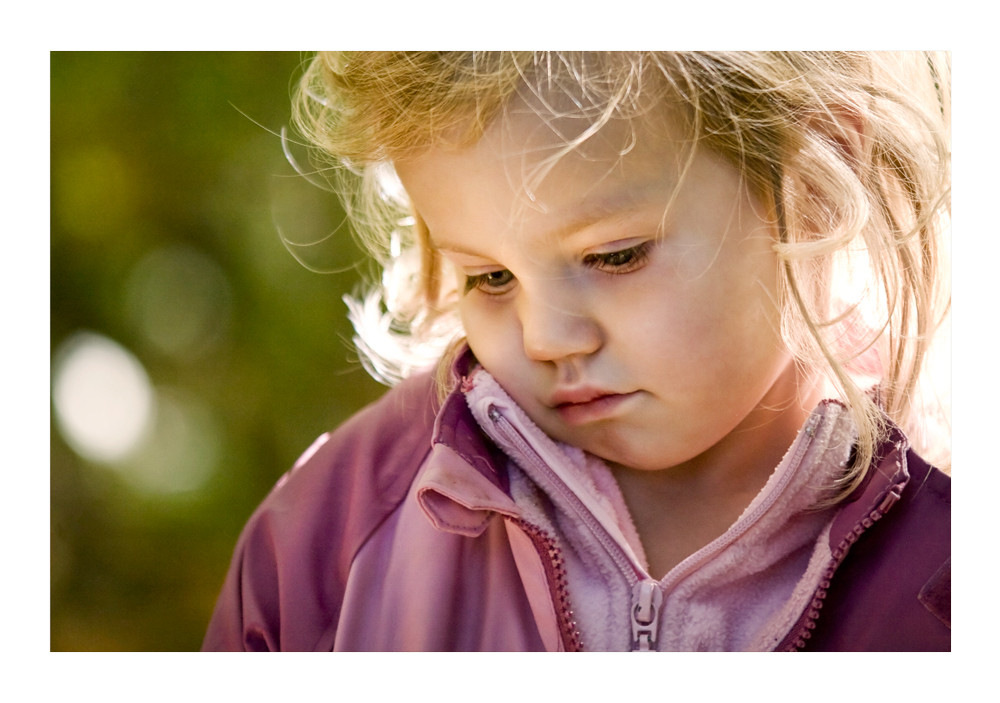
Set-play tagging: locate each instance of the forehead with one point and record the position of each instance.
(540, 159)
(545, 130)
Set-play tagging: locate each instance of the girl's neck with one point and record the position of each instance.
(678, 510)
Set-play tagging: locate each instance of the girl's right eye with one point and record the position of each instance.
(491, 283)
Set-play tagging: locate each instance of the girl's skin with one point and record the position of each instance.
(646, 336)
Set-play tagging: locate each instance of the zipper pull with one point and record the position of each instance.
(646, 600)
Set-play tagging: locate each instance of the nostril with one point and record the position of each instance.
(559, 340)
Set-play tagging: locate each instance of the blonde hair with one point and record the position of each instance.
(852, 149)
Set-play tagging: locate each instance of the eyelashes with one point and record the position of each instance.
(621, 261)
(492, 283)
(617, 262)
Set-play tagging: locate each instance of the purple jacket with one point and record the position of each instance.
(397, 532)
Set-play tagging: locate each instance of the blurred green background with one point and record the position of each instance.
(193, 356)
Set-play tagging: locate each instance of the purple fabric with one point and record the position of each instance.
(874, 601)
(341, 555)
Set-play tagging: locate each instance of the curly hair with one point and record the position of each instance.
(852, 149)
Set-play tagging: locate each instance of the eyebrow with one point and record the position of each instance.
(586, 213)
(589, 212)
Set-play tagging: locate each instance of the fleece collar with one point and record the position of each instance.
(742, 591)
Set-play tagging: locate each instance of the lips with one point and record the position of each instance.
(583, 405)
(578, 396)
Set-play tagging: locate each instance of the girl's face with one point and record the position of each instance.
(630, 311)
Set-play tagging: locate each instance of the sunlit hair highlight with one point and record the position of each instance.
(850, 149)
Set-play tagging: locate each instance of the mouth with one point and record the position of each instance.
(582, 406)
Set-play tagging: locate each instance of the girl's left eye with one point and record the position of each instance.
(622, 261)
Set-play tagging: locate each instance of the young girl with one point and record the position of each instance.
(679, 306)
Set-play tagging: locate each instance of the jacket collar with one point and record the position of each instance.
(460, 443)
(453, 497)
(456, 428)
(881, 488)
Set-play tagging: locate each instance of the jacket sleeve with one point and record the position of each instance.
(285, 585)
(247, 614)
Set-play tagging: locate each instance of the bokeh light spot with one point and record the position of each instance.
(179, 299)
(104, 402)
(182, 452)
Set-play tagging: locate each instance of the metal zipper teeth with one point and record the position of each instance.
(617, 554)
(555, 572)
(798, 642)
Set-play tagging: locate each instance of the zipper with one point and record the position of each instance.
(647, 593)
(797, 641)
(618, 555)
(555, 572)
(647, 596)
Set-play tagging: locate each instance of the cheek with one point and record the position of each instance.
(741, 290)
(492, 333)
(728, 309)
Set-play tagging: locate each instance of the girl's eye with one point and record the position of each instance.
(492, 283)
(623, 261)
(614, 262)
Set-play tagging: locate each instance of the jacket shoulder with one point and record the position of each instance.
(366, 464)
(892, 591)
(284, 587)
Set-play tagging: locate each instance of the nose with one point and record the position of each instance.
(557, 325)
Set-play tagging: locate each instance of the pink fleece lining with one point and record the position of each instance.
(741, 592)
